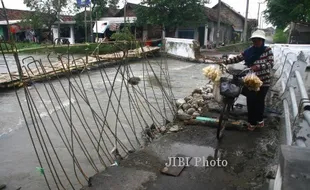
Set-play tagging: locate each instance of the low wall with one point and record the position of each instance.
(239, 47)
(178, 47)
(291, 65)
(288, 50)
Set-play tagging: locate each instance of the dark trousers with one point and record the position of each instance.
(255, 104)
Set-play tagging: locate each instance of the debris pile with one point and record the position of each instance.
(154, 132)
(197, 103)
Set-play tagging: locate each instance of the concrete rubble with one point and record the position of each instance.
(197, 103)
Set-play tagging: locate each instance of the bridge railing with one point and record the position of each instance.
(291, 62)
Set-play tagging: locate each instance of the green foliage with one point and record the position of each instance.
(45, 12)
(27, 45)
(113, 3)
(123, 35)
(171, 13)
(99, 9)
(37, 20)
(280, 36)
(281, 12)
(74, 49)
(124, 39)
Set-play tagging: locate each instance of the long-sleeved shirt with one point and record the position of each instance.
(264, 65)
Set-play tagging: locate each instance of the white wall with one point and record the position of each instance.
(71, 38)
(180, 47)
(145, 34)
(282, 49)
(206, 35)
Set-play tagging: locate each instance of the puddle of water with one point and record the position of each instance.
(200, 156)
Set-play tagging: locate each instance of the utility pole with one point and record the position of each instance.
(97, 27)
(246, 22)
(58, 27)
(85, 24)
(258, 19)
(91, 23)
(125, 12)
(218, 23)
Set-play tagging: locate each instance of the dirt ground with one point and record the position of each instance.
(251, 158)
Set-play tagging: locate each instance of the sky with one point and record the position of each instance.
(238, 5)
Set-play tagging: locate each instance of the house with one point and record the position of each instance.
(236, 19)
(299, 33)
(270, 31)
(22, 33)
(141, 32)
(66, 32)
(79, 27)
(14, 17)
(205, 33)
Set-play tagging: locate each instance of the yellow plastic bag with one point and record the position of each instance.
(212, 72)
(252, 82)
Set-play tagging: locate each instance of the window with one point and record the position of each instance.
(65, 32)
(187, 34)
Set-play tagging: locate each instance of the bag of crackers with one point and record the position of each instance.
(252, 82)
(213, 73)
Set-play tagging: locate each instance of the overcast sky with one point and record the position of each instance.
(238, 5)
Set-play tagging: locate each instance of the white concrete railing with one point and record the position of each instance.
(291, 63)
(283, 49)
(180, 47)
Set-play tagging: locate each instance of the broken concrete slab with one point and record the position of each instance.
(176, 165)
(295, 170)
(121, 178)
(174, 128)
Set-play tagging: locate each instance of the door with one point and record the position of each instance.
(201, 36)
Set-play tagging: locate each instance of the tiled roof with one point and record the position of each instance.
(67, 17)
(211, 13)
(250, 21)
(212, 16)
(229, 7)
(14, 14)
(133, 6)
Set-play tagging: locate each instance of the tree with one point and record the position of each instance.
(280, 36)
(44, 13)
(113, 4)
(171, 13)
(99, 7)
(281, 12)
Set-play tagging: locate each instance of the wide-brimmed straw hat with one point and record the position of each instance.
(259, 34)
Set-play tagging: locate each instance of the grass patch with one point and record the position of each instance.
(27, 45)
(234, 47)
